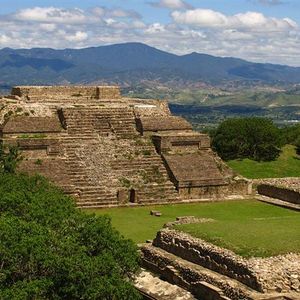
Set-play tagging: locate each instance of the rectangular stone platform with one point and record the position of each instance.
(40, 92)
(180, 141)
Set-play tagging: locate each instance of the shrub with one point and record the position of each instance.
(51, 250)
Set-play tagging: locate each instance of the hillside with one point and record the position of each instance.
(133, 63)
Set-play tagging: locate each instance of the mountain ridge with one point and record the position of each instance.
(131, 63)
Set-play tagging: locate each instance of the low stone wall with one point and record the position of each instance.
(291, 183)
(279, 193)
(24, 124)
(199, 252)
(274, 274)
(42, 92)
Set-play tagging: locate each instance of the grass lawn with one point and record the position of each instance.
(287, 165)
(249, 228)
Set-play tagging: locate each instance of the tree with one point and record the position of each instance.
(51, 250)
(297, 144)
(254, 138)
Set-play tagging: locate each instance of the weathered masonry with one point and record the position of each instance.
(108, 150)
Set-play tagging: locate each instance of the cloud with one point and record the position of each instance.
(79, 36)
(171, 4)
(249, 21)
(51, 15)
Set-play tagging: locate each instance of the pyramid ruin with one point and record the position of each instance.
(108, 150)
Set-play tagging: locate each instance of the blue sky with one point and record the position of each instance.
(257, 30)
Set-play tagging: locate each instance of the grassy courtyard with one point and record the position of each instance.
(249, 228)
(287, 165)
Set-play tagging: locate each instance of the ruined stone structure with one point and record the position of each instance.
(211, 272)
(108, 150)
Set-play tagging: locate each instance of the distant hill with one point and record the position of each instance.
(130, 64)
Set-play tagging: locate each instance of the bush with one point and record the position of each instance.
(254, 138)
(51, 250)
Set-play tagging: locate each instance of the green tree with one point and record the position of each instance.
(297, 144)
(254, 138)
(51, 250)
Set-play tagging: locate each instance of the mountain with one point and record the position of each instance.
(130, 64)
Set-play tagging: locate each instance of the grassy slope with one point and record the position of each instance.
(287, 165)
(247, 227)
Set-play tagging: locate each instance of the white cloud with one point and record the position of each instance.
(155, 28)
(200, 17)
(171, 4)
(249, 20)
(47, 26)
(79, 36)
(51, 15)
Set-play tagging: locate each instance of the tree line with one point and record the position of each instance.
(254, 138)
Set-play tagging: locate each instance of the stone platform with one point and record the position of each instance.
(108, 150)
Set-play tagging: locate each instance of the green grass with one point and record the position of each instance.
(287, 165)
(249, 228)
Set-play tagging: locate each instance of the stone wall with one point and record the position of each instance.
(239, 188)
(180, 142)
(42, 92)
(291, 183)
(273, 274)
(24, 124)
(214, 258)
(279, 193)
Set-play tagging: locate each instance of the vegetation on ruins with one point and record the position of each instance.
(9, 158)
(51, 250)
(254, 138)
(247, 227)
(286, 165)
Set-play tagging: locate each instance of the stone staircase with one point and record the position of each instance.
(103, 120)
(120, 121)
(100, 149)
(88, 192)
